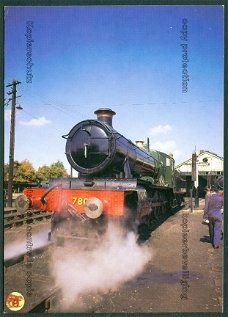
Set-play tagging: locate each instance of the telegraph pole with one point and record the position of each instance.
(12, 139)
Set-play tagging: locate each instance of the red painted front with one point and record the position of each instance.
(58, 198)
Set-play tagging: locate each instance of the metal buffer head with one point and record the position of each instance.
(22, 203)
(93, 208)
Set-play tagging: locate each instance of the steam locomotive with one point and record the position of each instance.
(117, 181)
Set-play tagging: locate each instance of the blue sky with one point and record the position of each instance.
(128, 58)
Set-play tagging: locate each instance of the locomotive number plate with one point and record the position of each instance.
(79, 201)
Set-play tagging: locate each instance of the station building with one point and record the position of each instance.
(209, 170)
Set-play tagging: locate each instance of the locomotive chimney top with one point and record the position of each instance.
(105, 115)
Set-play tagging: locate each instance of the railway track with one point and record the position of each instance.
(43, 289)
(13, 218)
(45, 303)
(24, 256)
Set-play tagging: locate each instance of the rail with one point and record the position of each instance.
(23, 257)
(13, 218)
(45, 303)
(37, 303)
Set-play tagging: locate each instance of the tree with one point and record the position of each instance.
(6, 172)
(55, 170)
(43, 173)
(23, 172)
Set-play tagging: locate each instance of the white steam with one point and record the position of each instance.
(20, 246)
(117, 259)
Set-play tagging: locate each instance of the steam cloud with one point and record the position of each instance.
(18, 247)
(116, 259)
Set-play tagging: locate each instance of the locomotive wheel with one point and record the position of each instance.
(144, 231)
(160, 215)
(58, 231)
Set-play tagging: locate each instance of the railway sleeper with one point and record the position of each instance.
(47, 303)
(21, 221)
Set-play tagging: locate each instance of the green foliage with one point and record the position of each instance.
(43, 173)
(55, 170)
(24, 172)
(6, 172)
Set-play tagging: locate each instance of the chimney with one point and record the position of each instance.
(105, 115)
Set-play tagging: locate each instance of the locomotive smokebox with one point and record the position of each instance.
(94, 148)
(105, 115)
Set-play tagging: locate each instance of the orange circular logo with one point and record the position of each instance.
(15, 301)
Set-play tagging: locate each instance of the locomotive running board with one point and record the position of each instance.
(104, 183)
(96, 183)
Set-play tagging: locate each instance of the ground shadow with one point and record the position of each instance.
(205, 239)
(145, 229)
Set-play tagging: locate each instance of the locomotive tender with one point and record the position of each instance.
(117, 180)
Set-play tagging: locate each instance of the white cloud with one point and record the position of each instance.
(160, 129)
(169, 146)
(164, 146)
(39, 122)
(176, 153)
